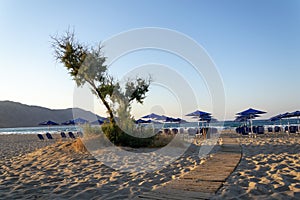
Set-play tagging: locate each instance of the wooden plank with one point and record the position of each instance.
(204, 181)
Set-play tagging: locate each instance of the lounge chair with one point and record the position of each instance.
(63, 135)
(293, 129)
(260, 130)
(40, 136)
(174, 131)
(49, 136)
(167, 131)
(270, 129)
(286, 129)
(71, 135)
(277, 129)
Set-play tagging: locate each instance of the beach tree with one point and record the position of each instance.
(87, 64)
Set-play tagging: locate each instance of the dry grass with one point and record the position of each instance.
(78, 146)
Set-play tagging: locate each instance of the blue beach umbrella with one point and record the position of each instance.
(276, 118)
(69, 122)
(141, 121)
(296, 114)
(48, 123)
(201, 115)
(75, 121)
(97, 122)
(80, 121)
(250, 114)
(152, 116)
(198, 113)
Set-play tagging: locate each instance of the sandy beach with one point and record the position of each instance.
(33, 169)
(269, 169)
(57, 171)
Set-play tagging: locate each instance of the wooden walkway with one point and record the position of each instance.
(205, 180)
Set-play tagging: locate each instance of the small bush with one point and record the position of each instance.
(135, 138)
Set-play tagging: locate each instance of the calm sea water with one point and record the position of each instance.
(36, 130)
(219, 125)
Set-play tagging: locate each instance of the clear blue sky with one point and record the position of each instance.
(255, 46)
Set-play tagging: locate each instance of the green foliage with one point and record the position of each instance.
(136, 138)
(87, 65)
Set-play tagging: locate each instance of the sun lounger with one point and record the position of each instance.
(174, 131)
(270, 129)
(63, 135)
(260, 130)
(49, 136)
(71, 135)
(167, 131)
(277, 129)
(293, 129)
(40, 136)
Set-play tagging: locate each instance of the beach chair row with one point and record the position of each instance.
(207, 131)
(278, 129)
(62, 134)
(245, 130)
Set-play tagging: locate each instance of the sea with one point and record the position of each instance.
(219, 125)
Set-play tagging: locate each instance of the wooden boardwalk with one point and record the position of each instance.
(205, 180)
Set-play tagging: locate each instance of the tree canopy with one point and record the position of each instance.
(87, 64)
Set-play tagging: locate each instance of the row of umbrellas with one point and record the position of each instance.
(243, 116)
(71, 122)
(152, 118)
(285, 115)
(251, 113)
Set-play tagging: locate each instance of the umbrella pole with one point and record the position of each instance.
(251, 127)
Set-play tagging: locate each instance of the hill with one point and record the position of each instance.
(13, 114)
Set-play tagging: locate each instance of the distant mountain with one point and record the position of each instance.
(13, 114)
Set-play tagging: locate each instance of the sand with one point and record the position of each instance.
(33, 169)
(58, 171)
(269, 169)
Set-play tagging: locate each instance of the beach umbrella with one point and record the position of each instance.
(287, 115)
(171, 119)
(276, 117)
(97, 122)
(141, 121)
(69, 122)
(48, 123)
(75, 121)
(161, 118)
(152, 116)
(296, 113)
(250, 114)
(80, 121)
(198, 113)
